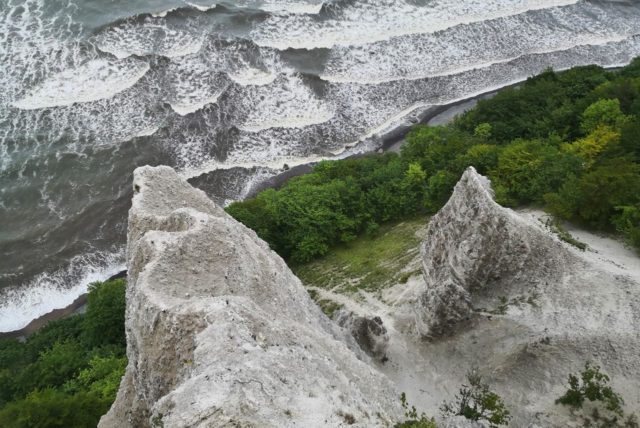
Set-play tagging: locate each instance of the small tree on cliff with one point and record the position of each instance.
(476, 401)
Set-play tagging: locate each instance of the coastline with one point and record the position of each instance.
(78, 306)
(391, 141)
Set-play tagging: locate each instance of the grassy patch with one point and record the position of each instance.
(368, 262)
(564, 235)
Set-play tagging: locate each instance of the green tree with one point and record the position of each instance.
(527, 169)
(102, 377)
(590, 148)
(627, 222)
(483, 130)
(592, 199)
(602, 112)
(50, 408)
(104, 319)
(593, 385)
(483, 157)
(440, 187)
(53, 368)
(413, 420)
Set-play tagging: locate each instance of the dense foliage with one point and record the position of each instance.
(67, 374)
(569, 141)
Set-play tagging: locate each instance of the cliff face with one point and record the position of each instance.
(473, 242)
(502, 294)
(221, 333)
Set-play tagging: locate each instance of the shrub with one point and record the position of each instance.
(592, 198)
(602, 112)
(413, 420)
(54, 409)
(591, 384)
(476, 402)
(66, 374)
(528, 169)
(104, 319)
(627, 222)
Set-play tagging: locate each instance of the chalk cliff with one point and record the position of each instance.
(221, 333)
(501, 293)
(474, 245)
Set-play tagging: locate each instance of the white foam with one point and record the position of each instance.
(148, 38)
(94, 80)
(184, 108)
(285, 7)
(48, 291)
(478, 45)
(274, 147)
(287, 103)
(163, 13)
(369, 21)
(252, 76)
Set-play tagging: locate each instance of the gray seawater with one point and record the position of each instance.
(92, 88)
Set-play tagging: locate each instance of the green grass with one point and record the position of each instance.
(369, 262)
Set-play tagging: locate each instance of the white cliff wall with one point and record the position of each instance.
(221, 333)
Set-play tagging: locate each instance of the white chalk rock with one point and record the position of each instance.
(221, 333)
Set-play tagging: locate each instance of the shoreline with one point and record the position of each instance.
(390, 142)
(77, 306)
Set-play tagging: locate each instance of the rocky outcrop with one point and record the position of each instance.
(475, 246)
(369, 333)
(221, 333)
(503, 295)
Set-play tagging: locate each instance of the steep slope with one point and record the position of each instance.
(501, 293)
(221, 333)
(476, 247)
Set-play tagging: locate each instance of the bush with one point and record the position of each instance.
(53, 408)
(528, 169)
(627, 222)
(413, 420)
(593, 198)
(66, 374)
(602, 112)
(593, 385)
(476, 402)
(104, 319)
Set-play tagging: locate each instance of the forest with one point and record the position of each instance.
(565, 141)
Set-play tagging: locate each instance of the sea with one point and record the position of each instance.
(230, 94)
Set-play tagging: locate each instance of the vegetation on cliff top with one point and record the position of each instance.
(569, 141)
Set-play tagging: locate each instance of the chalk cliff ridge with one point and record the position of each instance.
(221, 333)
(473, 245)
